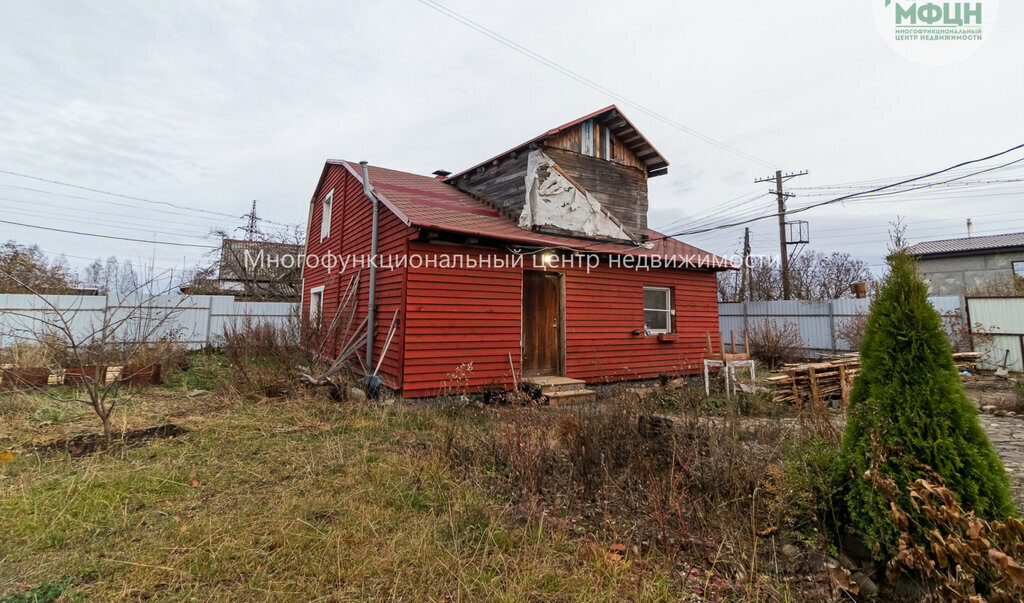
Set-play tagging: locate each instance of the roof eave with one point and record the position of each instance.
(391, 206)
(719, 264)
(660, 166)
(967, 252)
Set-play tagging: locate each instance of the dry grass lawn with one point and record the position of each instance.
(284, 499)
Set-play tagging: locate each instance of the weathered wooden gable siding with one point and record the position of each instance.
(570, 139)
(620, 189)
(502, 185)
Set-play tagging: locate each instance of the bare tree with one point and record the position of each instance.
(267, 266)
(813, 276)
(135, 332)
(31, 267)
(110, 275)
(1011, 285)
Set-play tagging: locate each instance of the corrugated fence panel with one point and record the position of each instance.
(26, 317)
(850, 307)
(1007, 313)
(1004, 318)
(947, 303)
(193, 320)
(1000, 351)
(819, 323)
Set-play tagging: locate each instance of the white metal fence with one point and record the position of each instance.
(194, 320)
(819, 323)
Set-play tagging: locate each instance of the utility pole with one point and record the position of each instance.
(746, 261)
(251, 229)
(779, 178)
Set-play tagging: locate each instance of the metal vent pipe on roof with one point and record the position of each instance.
(371, 308)
(970, 228)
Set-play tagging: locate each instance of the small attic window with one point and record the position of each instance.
(325, 215)
(595, 140)
(587, 138)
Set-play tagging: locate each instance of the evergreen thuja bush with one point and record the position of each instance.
(908, 412)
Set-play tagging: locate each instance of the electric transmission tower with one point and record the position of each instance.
(251, 227)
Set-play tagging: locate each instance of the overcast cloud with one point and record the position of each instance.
(212, 105)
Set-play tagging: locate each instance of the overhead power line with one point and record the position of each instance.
(490, 33)
(212, 219)
(83, 216)
(102, 236)
(713, 213)
(828, 191)
(855, 184)
(870, 191)
(131, 197)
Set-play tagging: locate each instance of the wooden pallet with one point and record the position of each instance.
(832, 379)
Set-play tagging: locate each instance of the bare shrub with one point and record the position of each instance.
(773, 344)
(964, 336)
(264, 356)
(852, 330)
(680, 484)
(530, 456)
(1009, 285)
(26, 354)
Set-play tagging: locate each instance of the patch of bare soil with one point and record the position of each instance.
(89, 443)
(993, 394)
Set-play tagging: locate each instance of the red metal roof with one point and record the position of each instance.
(621, 127)
(428, 203)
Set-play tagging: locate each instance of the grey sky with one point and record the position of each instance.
(212, 105)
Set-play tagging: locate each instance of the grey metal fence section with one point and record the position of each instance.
(819, 323)
(1002, 319)
(196, 320)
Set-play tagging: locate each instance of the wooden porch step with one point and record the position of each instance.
(552, 385)
(575, 396)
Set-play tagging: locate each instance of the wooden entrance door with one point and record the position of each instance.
(542, 324)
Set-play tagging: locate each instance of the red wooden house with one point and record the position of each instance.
(534, 264)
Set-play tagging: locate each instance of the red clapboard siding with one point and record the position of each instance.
(461, 316)
(603, 309)
(456, 317)
(351, 220)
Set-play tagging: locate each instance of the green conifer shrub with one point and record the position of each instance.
(908, 412)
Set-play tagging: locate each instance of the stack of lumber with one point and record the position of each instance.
(965, 361)
(815, 382)
(832, 378)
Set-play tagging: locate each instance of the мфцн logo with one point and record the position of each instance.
(935, 33)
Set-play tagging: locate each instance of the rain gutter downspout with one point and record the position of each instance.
(371, 324)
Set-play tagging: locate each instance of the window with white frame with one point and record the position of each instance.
(316, 305)
(658, 310)
(325, 215)
(1018, 269)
